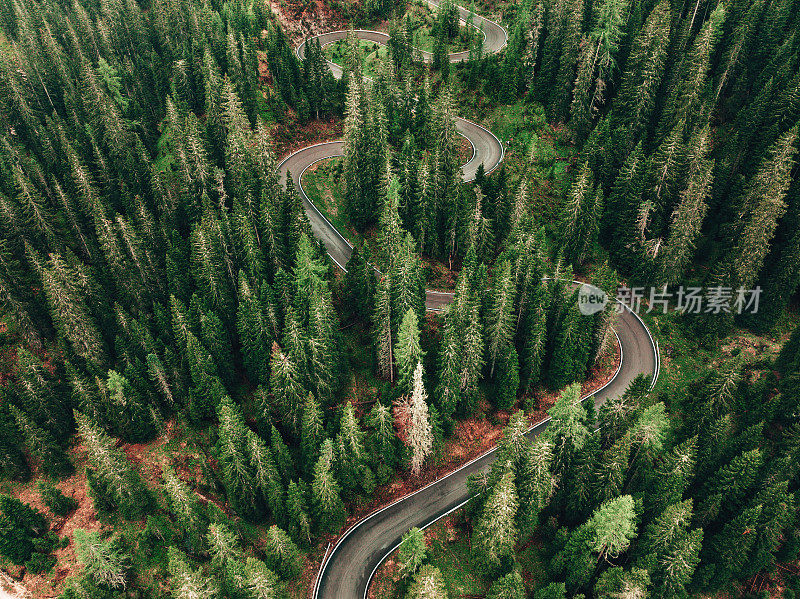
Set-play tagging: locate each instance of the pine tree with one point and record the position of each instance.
(427, 584)
(407, 352)
(41, 445)
(412, 552)
(299, 519)
(58, 503)
(510, 586)
(101, 558)
(328, 505)
(20, 525)
(112, 471)
(500, 322)
(420, 437)
(495, 533)
(185, 582)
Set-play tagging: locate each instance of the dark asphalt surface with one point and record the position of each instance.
(350, 566)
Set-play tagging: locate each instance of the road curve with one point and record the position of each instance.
(348, 569)
(486, 150)
(495, 38)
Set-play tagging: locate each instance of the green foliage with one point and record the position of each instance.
(58, 503)
(20, 526)
(427, 584)
(113, 483)
(412, 552)
(281, 554)
(509, 586)
(102, 559)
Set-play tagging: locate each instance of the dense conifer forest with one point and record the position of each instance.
(195, 400)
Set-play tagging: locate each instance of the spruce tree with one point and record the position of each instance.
(616, 582)
(254, 331)
(495, 533)
(231, 453)
(186, 508)
(281, 554)
(312, 432)
(381, 441)
(299, 520)
(407, 352)
(510, 586)
(58, 503)
(427, 584)
(112, 471)
(535, 483)
(102, 559)
(382, 323)
(420, 436)
(20, 526)
(288, 393)
(412, 552)
(50, 457)
(185, 582)
(266, 477)
(359, 282)
(499, 322)
(328, 506)
(260, 581)
(760, 207)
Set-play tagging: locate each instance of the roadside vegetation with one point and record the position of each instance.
(194, 402)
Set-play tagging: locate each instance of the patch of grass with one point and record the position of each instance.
(420, 18)
(371, 54)
(324, 186)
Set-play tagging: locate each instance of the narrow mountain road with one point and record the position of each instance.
(352, 562)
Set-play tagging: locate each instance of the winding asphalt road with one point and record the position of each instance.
(350, 566)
